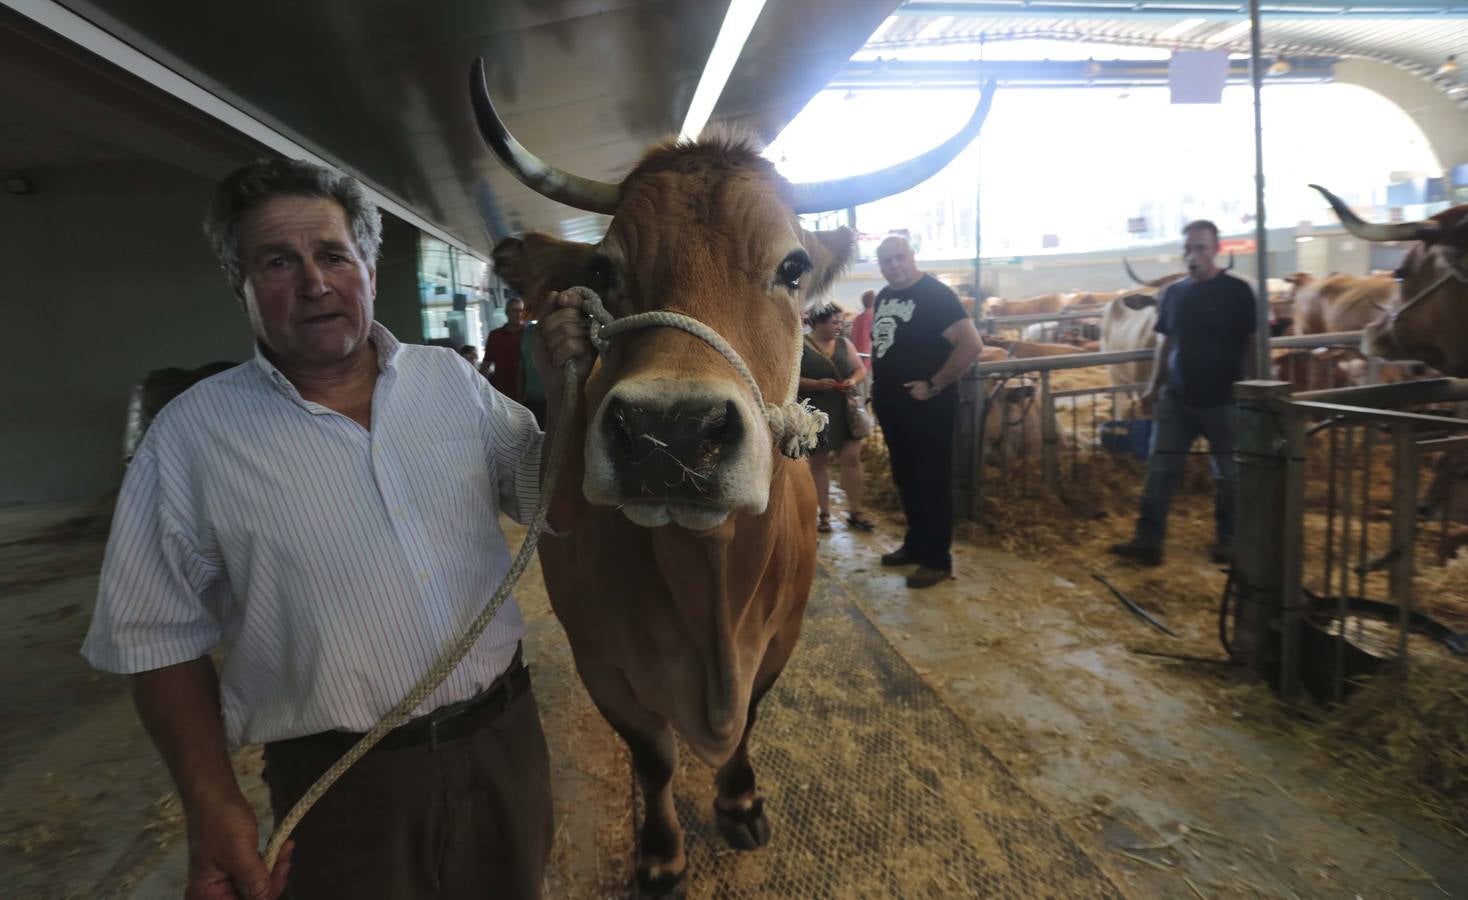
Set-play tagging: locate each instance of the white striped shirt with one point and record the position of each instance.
(333, 564)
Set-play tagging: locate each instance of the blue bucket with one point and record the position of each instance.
(1133, 436)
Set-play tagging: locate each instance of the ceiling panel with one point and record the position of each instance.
(380, 86)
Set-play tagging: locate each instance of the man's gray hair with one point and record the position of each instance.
(244, 189)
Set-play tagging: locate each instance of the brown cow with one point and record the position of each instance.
(1428, 317)
(1040, 304)
(682, 582)
(1034, 349)
(1339, 302)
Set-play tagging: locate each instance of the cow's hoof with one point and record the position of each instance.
(744, 829)
(660, 883)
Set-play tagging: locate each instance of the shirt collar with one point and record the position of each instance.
(383, 341)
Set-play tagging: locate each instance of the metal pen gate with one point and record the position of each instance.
(1337, 536)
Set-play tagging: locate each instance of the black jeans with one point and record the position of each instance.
(919, 437)
(1175, 425)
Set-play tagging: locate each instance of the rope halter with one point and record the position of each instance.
(795, 426)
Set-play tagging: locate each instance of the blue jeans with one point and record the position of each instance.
(1175, 425)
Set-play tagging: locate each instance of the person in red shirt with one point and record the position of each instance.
(502, 352)
(861, 329)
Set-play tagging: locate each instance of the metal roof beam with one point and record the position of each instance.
(1176, 9)
(896, 74)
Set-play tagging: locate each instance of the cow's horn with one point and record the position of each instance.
(546, 180)
(820, 196)
(1137, 278)
(1371, 231)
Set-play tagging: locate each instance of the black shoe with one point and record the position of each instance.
(925, 577)
(897, 557)
(1221, 553)
(1139, 553)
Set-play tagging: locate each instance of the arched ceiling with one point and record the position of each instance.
(1414, 36)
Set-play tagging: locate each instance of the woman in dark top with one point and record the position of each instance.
(830, 369)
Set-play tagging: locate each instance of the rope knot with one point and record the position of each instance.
(796, 427)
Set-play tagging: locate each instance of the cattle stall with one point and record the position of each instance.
(1056, 424)
(1347, 567)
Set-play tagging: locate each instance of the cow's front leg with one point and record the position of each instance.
(662, 869)
(739, 810)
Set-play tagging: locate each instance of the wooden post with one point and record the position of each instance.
(1268, 544)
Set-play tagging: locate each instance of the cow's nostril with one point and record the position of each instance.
(724, 427)
(622, 431)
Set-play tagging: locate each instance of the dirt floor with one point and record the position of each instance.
(1168, 777)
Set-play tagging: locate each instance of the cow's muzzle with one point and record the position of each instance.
(677, 453)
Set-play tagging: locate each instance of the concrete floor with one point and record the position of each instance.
(1157, 769)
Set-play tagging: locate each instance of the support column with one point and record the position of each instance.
(1268, 545)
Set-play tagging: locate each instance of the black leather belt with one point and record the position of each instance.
(444, 725)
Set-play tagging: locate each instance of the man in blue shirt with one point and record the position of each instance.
(1206, 321)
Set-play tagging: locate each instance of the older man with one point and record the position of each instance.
(922, 344)
(327, 515)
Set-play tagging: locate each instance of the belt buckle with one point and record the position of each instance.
(433, 722)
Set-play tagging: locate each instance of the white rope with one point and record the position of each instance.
(795, 426)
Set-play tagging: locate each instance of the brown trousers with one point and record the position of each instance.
(471, 819)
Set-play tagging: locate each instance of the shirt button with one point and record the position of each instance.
(423, 575)
(398, 512)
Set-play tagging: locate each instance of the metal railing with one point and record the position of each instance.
(1325, 594)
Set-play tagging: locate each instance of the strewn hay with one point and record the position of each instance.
(1398, 736)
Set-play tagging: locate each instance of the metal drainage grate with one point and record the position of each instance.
(874, 788)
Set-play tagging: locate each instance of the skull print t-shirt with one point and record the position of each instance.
(907, 332)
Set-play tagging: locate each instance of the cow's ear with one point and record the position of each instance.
(830, 253)
(538, 264)
(508, 257)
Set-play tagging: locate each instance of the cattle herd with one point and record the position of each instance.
(1300, 303)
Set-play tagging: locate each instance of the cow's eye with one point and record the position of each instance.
(1400, 274)
(791, 268)
(601, 275)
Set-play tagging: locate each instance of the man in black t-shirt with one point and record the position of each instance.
(922, 343)
(1206, 322)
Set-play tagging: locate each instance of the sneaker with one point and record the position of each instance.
(897, 557)
(1221, 553)
(925, 576)
(1138, 553)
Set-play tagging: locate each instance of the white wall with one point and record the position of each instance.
(104, 276)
